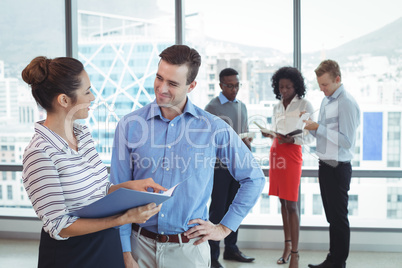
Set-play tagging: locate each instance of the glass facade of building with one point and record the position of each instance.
(119, 44)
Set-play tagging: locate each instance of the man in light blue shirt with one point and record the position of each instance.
(174, 141)
(335, 131)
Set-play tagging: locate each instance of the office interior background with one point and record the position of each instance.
(119, 43)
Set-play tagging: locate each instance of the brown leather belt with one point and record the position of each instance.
(160, 238)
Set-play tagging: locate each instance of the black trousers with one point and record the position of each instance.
(101, 249)
(334, 183)
(224, 191)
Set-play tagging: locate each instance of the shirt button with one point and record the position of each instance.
(172, 125)
(167, 169)
(163, 215)
(169, 146)
(162, 233)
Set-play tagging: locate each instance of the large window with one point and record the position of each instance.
(25, 34)
(119, 43)
(365, 40)
(253, 38)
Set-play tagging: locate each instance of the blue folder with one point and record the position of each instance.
(119, 201)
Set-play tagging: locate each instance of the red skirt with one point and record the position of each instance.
(285, 163)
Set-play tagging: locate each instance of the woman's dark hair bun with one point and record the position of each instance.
(49, 78)
(37, 71)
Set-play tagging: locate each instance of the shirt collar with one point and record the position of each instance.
(53, 138)
(337, 92)
(224, 100)
(295, 98)
(155, 110)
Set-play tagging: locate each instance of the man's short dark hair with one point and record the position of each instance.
(227, 72)
(182, 54)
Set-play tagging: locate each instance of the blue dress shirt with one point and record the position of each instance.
(223, 99)
(338, 121)
(183, 150)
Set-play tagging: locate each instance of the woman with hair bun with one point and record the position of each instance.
(285, 159)
(62, 172)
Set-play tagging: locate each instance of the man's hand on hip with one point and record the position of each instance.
(206, 230)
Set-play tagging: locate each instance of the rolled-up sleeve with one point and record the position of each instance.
(244, 168)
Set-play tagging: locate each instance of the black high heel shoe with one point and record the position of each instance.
(283, 260)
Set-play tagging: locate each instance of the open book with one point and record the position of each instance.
(121, 200)
(299, 127)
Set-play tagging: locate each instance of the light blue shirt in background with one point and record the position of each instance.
(338, 121)
(183, 150)
(223, 99)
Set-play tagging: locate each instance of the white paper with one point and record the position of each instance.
(300, 124)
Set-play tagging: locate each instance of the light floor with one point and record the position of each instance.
(24, 254)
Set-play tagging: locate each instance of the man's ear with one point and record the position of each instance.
(338, 79)
(63, 100)
(220, 85)
(192, 86)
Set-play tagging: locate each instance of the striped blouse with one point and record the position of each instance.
(60, 180)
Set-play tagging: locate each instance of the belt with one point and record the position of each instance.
(160, 238)
(334, 163)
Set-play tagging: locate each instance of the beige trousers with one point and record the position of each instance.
(150, 254)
